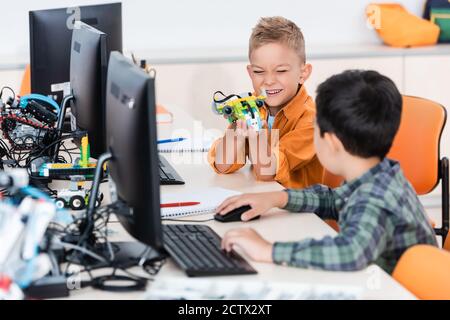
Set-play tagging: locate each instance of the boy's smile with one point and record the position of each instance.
(278, 69)
(271, 93)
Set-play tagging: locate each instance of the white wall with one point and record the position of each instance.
(171, 24)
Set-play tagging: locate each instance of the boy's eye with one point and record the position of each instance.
(281, 71)
(257, 71)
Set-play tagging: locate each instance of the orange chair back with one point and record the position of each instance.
(416, 145)
(25, 87)
(424, 271)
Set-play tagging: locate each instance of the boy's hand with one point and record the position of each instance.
(260, 203)
(240, 133)
(257, 248)
(241, 128)
(233, 151)
(260, 153)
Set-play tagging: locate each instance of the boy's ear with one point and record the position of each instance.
(249, 70)
(306, 72)
(333, 142)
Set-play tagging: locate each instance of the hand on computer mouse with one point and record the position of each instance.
(260, 203)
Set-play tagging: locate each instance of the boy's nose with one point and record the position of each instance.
(269, 80)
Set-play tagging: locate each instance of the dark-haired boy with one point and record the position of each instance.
(379, 214)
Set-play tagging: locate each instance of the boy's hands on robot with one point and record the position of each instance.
(242, 112)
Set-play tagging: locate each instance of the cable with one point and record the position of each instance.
(68, 153)
(226, 97)
(139, 284)
(10, 89)
(55, 266)
(83, 250)
(153, 266)
(53, 144)
(90, 247)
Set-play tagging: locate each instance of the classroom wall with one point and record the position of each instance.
(171, 24)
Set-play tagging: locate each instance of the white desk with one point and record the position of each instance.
(278, 227)
(282, 226)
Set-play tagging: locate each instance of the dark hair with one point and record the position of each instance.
(363, 109)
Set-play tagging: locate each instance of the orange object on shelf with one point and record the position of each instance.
(163, 115)
(399, 28)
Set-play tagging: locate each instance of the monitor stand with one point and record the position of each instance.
(126, 255)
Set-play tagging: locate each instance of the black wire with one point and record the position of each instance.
(10, 89)
(139, 284)
(106, 282)
(68, 153)
(52, 192)
(23, 159)
(99, 282)
(52, 145)
(226, 97)
(151, 267)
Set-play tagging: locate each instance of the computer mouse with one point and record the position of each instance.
(234, 215)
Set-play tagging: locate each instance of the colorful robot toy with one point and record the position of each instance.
(244, 106)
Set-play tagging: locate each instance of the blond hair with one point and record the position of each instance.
(277, 30)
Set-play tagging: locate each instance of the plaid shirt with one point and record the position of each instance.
(379, 216)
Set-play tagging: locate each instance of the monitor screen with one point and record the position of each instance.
(88, 67)
(50, 39)
(131, 138)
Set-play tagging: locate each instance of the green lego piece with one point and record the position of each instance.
(240, 107)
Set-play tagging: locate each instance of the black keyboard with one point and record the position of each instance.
(167, 174)
(196, 249)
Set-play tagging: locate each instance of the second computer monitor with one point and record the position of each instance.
(132, 140)
(50, 38)
(88, 67)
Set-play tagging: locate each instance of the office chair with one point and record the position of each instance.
(423, 270)
(419, 134)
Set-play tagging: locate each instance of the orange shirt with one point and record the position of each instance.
(297, 163)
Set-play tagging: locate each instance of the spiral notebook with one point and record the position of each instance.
(209, 200)
(188, 145)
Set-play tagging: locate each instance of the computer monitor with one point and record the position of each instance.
(50, 39)
(131, 139)
(88, 67)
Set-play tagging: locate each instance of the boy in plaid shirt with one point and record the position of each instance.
(379, 214)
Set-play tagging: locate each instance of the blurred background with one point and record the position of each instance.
(200, 46)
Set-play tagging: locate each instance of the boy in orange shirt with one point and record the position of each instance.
(277, 65)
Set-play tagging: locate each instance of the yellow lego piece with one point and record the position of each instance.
(59, 166)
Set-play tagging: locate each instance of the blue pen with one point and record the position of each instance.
(171, 140)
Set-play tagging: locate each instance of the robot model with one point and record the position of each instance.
(244, 106)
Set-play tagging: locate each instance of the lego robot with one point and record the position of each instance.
(76, 197)
(244, 106)
(81, 166)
